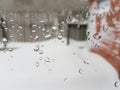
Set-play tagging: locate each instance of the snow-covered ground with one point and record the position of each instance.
(52, 65)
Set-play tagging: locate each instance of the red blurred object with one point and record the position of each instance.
(110, 48)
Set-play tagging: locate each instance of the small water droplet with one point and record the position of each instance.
(39, 27)
(20, 27)
(41, 52)
(61, 31)
(11, 20)
(12, 26)
(60, 36)
(4, 40)
(40, 58)
(34, 25)
(20, 34)
(48, 36)
(42, 45)
(10, 49)
(80, 71)
(36, 48)
(63, 41)
(49, 70)
(100, 37)
(54, 28)
(85, 61)
(88, 39)
(116, 84)
(65, 79)
(11, 36)
(37, 64)
(36, 37)
(92, 21)
(33, 31)
(74, 53)
(47, 59)
(43, 29)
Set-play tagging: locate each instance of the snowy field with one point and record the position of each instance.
(52, 65)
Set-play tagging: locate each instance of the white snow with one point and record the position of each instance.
(59, 67)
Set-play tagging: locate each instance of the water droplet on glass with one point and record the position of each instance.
(74, 53)
(49, 70)
(61, 31)
(47, 59)
(20, 27)
(41, 21)
(80, 71)
(48, 36)
(20, 34)
(60, 36)
(65, 79)
(88, 39)
(42, 45)
(36, 48)
(6, 28)
(63, 41)
(4, 40)
(36, 37)
(116, 84)
(10, 49)
(11, 36)
(37, 64)
(85, 61)
(39, 27)
(54, 28)
(41, 52)
(34, 25)
(92, 21)
(12, 20)
(40, 58)
(33, 31)
(43, 29)
(12, 26)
